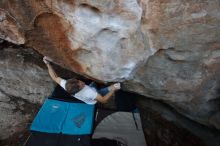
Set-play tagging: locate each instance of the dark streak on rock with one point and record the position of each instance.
(5, 44)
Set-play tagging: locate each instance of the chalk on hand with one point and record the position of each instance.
(117, 86)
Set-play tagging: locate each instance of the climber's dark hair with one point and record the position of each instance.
(72, 86)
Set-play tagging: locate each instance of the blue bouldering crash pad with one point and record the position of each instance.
(64, 117)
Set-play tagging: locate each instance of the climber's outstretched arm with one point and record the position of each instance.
(106, 97)
(52, 73)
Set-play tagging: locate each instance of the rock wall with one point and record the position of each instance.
(166, 50)
(185, 71)
(25, 84)
(95, 38)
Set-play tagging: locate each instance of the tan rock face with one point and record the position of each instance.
(100, 39)
(184, 25)
(190, 86)
(186, 75)
(9, 30)
(163, 49)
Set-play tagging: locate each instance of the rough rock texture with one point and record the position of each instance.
(9, 29)
(186, 74)
(191, 86)
(24, 84)
(164, 49)
(23, 75)
(95, 38)
(163, 126)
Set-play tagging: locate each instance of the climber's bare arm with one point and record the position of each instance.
(52, 73)
(104, 99)
(112, 89)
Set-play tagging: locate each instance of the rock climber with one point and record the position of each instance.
(78, 89)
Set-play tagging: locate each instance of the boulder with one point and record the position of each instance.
(25, 84)
(166, 50)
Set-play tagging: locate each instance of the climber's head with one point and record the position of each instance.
(74, 85)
